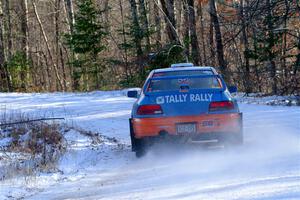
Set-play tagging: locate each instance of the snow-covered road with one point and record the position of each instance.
(266, 167)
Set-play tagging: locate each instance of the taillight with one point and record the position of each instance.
(149, 110)
(221, 105)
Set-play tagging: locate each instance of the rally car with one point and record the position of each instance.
(184, 103)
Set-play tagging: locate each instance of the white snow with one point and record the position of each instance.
(5, 141)
(266, 167)
(257, 98)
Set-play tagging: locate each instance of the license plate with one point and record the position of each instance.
(186, 128)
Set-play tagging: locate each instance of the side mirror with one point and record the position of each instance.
(132, 94)
(233, 89)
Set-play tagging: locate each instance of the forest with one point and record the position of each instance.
(86, 45)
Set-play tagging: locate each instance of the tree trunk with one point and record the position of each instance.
(219, 42)
(193, 32)
(47, 44)
(256, 60)
(247, 84)
(70, 20)
(125, 57)
(168, 9)
(271, 43)
(3, 81)
(186, 33)
(62, 61)
(200, 11)
(212, 43)
(57, 42)
(9, 29)
(24, 28)
(24, 42)
(107, 17)
(137, 38)
(4, 74)
(284, 38)
(145, 24)
(297, 63)
(70, 10)
(157, 22)
(178, 15)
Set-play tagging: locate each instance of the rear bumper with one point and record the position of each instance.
(219, 123)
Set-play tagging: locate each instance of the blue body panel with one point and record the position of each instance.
(187, 103)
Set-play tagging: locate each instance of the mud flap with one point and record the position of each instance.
(134, 142)
(238, 138)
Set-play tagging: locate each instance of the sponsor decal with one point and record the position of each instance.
(182, 98)
(184, 81)
(160, 100)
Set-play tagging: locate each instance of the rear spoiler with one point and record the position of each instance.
(179, 77)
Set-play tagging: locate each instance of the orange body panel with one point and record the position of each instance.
(222, 123)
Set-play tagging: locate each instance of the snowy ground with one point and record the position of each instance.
(257, 98)
(266, 167)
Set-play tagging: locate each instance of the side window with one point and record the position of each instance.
(216, 83)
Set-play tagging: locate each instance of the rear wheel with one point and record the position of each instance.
(141, 147)
(238, 139)
(138, 146)
(233, 139)
(134, 141)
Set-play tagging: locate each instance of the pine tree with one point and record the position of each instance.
(86, 43)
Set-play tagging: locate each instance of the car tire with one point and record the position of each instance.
(233, 140)
(140, 147)
(133, 140)
(238, 139)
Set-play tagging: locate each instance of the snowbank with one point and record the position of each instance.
(256, 98)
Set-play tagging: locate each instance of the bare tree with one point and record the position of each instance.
(270, 46)
(47, 44)
(137, 37)
(2, 56)
(219, 41)
(4, 73)
(8, 30)
(145, 23)
(245, 42)
(202, 35)
(194, 39)
(168, 9)
(212, 57)
(24, 41)
(125, 41)
(186, 32)
(70, 10)
(157, 21)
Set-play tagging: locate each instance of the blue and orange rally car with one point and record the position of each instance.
(184, 102)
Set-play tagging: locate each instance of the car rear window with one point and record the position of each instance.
(158, 85)
(184, 73)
